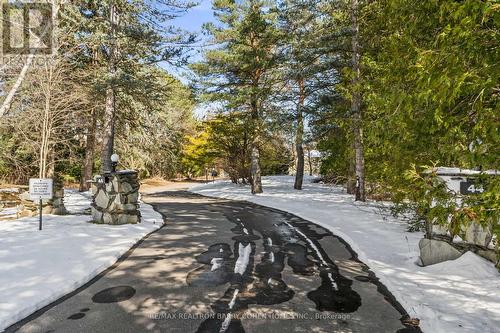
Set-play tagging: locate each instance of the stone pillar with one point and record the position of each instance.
(116, 198)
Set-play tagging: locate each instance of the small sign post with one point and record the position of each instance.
(40, 188)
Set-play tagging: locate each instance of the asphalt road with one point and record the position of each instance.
(227, 266)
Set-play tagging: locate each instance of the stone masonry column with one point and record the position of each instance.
(116, 198)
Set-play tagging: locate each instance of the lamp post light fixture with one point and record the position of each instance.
(114, 162)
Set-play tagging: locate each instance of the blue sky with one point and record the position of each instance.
(198, 15)
(192, 21)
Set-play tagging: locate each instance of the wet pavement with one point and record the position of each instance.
(228, 266)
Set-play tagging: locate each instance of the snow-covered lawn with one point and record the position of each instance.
(454, 296)
(38, 267)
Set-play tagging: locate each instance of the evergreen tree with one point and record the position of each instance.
(123, 36)
(239, 71)
(297, 22)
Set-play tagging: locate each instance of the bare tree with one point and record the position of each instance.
(51, 115)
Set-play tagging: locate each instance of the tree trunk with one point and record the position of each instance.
(255, 165)
(255, 172)
(88, 163)
(110, 112)
(356, 107)
(360, 164)
(299, 139)
(51, 163)
(108, 131)
(46, 128)
(351, 173)
(309, 161)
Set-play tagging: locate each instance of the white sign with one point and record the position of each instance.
(40, 188)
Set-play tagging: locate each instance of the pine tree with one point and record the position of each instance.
(125, 36)
(239, 72)
(303, 67)
(295, 22)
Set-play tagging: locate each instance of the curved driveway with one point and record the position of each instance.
(227, 266)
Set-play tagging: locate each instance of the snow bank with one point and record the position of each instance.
(454, 296)
(38, 267)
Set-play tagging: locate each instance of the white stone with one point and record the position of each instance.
(109, 187)
(96, 215)
(24, 196)
(119, 199)
(116, 184)
(107, 218)
(477, 234)
(112, 203)
(101, 199)
(434, 251)
(93, 189)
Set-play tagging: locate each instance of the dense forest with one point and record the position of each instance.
(382, 89)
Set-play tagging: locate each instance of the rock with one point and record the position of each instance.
(127, 219)
(120, 199)
(25, 213)
(434, 251)
(477, 234)
(47, 210)
(110, 187)
(10, 190)
(116, 184)
(96, 215)
(93, 189)
(439, 230)
(133, 197)
(61, 210)
(24, 196)
(491, 255)
(129, 207)
(126, 188)
(107, 218)
(101, 199)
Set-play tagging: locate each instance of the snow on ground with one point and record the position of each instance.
(38, 267)
(77, 202)
(454, 296)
